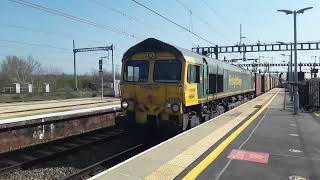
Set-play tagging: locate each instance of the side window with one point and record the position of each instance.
(197, 74)
(215, 83)
(212, 83)
(193, 74)
(220, 83)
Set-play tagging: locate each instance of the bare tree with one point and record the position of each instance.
(22, 70)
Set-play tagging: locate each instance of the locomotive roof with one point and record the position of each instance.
(151, 45)
(155, 45)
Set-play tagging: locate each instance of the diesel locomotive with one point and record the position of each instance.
(167, 87)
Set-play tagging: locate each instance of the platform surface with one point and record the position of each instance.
(25, 109)
(178, 156)
(277, 145)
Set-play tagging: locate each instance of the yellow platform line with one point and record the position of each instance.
(317, 114)
(194, 173)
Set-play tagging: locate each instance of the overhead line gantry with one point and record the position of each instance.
(244, 48)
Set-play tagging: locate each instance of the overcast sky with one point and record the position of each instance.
(125, 23)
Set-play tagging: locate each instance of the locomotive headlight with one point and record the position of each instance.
(175, 107)
(124, 104)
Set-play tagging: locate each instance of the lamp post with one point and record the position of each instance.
(289, 73)
(284, 99)
(240, 43)
(267, 63)
(301, 11)
(315, 59)
(259, 59)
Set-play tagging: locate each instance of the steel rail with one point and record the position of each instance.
(106, 163)
(29, 163)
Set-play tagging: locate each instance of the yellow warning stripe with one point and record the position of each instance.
(216, 152)
(225, 94)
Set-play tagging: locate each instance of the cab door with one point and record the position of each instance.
(203, 84)
(205, 78)
(200, 87)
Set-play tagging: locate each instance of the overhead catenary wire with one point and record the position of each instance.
(220, 17)
(212, 10)
(122, 13)
(133, 19)
(100, 4)
(16, 45)
(71, 17)
(202, 20)
(189, 12)
(17, 48)
(58, 34)
(35, 44)
(206, 23)
(75, 18)
(173, 22)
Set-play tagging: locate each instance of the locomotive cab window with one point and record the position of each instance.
(168, 71)
(136, 71)
(193, 74)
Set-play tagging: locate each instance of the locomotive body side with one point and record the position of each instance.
(166, 86)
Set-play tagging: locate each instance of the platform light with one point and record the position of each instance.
(295, 88)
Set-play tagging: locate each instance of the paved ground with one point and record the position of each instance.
(277, 145)
(172, 157)
(13, 110)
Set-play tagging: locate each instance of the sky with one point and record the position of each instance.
(26, 31)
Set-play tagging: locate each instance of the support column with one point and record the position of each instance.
(295, 90)
(75, 69)
(113, 71)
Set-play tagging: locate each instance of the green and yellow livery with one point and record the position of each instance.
(164, 86)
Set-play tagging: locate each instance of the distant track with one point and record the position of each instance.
(38, 154)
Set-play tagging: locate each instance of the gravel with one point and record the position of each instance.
(39, 174)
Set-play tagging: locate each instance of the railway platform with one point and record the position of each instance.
(26, 109)
(256, 140)
(28, 123)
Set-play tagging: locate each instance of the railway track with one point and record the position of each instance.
(105, 163)
(39, 154)
(59, 150)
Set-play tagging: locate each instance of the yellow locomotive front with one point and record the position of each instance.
(151, 89)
